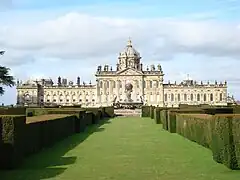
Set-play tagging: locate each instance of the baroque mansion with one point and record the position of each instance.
(127, 83)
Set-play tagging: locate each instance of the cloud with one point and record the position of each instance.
(79, 36)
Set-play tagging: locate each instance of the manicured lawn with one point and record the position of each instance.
(123, 149)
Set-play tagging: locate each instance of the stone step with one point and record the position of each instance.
(128, 112)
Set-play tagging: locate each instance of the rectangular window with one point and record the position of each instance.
(165, 97)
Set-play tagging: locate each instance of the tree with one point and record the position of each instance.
(5, 78)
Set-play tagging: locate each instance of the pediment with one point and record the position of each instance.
(129, 71)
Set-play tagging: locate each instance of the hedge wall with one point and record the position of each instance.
(236, 137)
(108, 111)
(12, 129)
(171, 122)
(157, 115)
(44, 134)
(225, 133)
(164, 118)
(19, 139)
(13, 111)
(219, 132)
(145, 111)
(195, 127)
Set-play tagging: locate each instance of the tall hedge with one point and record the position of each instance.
(164, 118)
(13, 111)
(145, 111)
(152, 112)
(42, 134)
(12, 141)
(223, 147)
(108, 111)
(157, 115)
(195, 127)
(171, 122)
(236, 137)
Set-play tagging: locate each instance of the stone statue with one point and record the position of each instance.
(128, 90)
(152, 68)
(159, 67)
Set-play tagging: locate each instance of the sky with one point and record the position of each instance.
(70, 38)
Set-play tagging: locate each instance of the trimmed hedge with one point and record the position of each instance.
(108, 111)
(44, 134)
(220, 133)
(223, 144)
(215, 110)
(11, 143)
(164, 118)
(195, 127)
(19, 139)
(13, 111)
(157, 115)
(152, 112)
(236, 137)
(145, 111)
(171, 122)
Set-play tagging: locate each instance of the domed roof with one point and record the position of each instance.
(129, 51)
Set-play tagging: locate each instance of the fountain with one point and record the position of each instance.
(128, 103)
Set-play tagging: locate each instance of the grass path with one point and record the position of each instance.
(123, 149)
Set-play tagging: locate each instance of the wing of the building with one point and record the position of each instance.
(128, 83)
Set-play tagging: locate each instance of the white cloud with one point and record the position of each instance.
(77, 36)
(74, 44)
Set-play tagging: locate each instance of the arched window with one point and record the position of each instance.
(101, 84)
(198, 97)
(220, 96)
(211, 97)
(150, 84)
(137, 84)
(165, 96)
(191, 96)
(120, 84)
(204, 97)
(114, 84)
(185, 97)
(172, 97)
(179, 97)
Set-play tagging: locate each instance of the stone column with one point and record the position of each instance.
(155, 92)
(111, 91)
(117, 89)
(98, 94)
(134, 93)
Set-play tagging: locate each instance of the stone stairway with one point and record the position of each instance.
(128, 112)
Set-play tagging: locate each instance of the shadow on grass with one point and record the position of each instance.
(51, 162)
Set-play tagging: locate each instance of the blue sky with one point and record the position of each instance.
(71, 37)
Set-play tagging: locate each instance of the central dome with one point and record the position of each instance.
(129, 51)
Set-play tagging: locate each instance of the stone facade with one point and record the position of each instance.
(111, 86)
